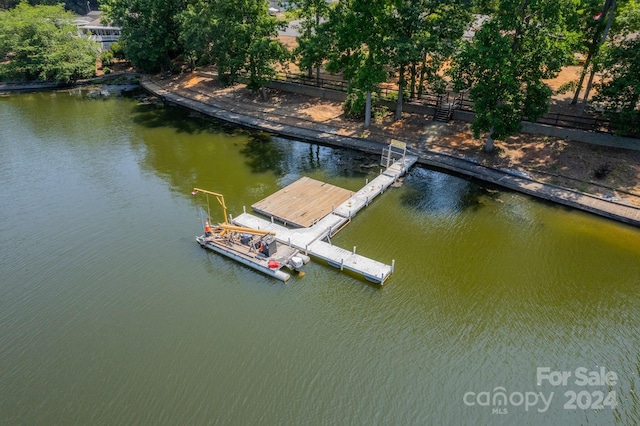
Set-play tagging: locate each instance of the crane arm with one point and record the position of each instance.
(220, 199)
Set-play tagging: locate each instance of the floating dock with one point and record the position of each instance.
(303, 202)
(310, 239)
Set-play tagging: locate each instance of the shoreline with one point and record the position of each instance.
(320, 133)
(323, 134)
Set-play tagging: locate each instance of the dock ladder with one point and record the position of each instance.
(396, 151)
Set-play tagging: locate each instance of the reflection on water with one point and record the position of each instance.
(436, 192)
(111, 313)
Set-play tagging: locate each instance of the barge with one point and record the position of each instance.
(257, 249)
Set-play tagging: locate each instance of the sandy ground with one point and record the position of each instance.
(607, 172)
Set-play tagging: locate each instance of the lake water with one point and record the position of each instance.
(111, 313)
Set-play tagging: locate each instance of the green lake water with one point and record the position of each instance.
(110, 312)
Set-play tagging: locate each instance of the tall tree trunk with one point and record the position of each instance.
(489, 143)
(588, 89)
(605, 33)
(583, 73)
(412, 92)
(317, 65)
(367, 111)
(401, 84)
(607, 11)
(423, 72)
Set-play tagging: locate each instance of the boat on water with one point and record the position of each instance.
(257, 249)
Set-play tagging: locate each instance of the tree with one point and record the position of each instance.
(596, 26)
(619, 92)
(78, 6)
(264, 51)
(150, 30)
(311, 51)
(525, 42)
(196, 23)
(42, 43)
(359, 30)
(425, 34)
(244, 41)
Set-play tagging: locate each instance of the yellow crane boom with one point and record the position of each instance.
(226, 227)
(220, 199)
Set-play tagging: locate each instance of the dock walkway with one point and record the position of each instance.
(310, 239)
(217, 105)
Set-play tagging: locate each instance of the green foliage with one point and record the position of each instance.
(262, 53)
(150, 30)
(354, 104)
(117, 50)
(628, 18)
(619, 92)
(42, 43)
(312, 42)
(503, 67)
(423, 37)
(196, 24)
(77, 6)
(239, 37)
(107, 58)
(358, 33)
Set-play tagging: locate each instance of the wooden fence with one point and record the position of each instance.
(460, 101)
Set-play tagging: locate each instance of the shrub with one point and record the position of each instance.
(117, 51)
(107, 58)
(354, 105)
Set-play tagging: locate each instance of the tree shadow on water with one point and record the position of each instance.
(437, 192)
(154, 116)
(263, 154)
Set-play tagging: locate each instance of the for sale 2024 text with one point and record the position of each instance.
(587, 389)
(592, 396)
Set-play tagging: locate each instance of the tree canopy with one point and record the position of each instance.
(503, 67)
(619, 92)
(80, 7)
(150, 30)
(42, 43)
(239, 37)
(519, 44)
(312, 42)
(424, 36)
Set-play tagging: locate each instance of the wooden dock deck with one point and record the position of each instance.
(302, 203)
(310, 239)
